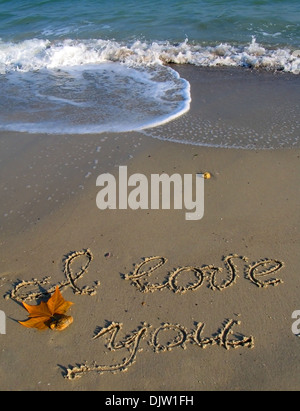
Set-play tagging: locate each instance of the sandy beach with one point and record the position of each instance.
(160, 302)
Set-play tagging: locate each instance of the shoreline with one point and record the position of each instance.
(250, 227)
(236, 107)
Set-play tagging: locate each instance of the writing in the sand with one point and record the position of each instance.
(191, 278)
(20, 291)
(165, 337)
(180, 280)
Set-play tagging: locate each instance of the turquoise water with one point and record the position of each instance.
(88, 66)
(272, 22)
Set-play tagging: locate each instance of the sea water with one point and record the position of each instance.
(95, 66)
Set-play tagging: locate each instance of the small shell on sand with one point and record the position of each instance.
(207, 175)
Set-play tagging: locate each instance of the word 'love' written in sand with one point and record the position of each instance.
(191, 278)
(164, 338)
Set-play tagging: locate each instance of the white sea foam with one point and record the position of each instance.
(91, 98)
(37, 54)
(96, 86)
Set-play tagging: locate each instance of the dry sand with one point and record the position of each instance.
(250, 229)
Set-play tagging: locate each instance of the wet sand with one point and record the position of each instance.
(199, 327)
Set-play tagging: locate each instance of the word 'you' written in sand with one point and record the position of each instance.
(164, 338)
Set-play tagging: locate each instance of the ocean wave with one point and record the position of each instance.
(85, 99)
(36, 54)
